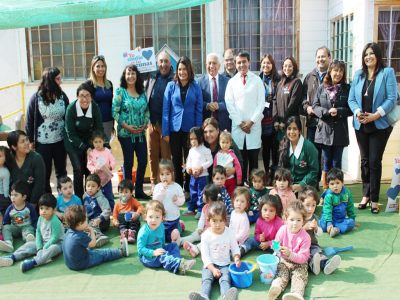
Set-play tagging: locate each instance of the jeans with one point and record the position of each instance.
(80, 170)
(268, 147)
(251, 243)
(332, 157)
(196, 192)
(311, 137)
(178, 141)
(108, 193)
(372, 145)
(250, 160)
(254, 217)
(53, 153)
(140, 148)
(344, 225)
(170, 226)
(170, 260)
(208, 279)
(98, 256)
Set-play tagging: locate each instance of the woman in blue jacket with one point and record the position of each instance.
(373, 94)
(182, 110)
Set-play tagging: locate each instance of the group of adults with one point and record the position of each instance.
(155, 111)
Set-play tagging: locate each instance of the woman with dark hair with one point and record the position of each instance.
(45, 120)
(182, 110)
(131, 112)
(331, 107)
(287, 98)
(270, 78)
(26, 165)
(298, 155)
(102, 91)
(82, 118)
(373, 94)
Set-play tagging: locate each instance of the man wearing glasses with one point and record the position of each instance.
(310, 86)
(229, 63)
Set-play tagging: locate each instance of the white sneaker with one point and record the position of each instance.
(292, 296)
(101, 241)
(30, 237)
(231, 294)
(316, 264)
(6, 246)
(274, 292)
(332, 264)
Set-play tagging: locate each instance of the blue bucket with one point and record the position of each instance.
(242, 277)
(268, 265)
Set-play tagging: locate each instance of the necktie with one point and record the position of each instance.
(215, 96)
(244, 79)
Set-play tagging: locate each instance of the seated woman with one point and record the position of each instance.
(298, 155)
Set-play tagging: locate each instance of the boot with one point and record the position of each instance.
(324, 181)
(124, 235)
(131, 236)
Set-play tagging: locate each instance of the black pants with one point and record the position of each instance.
(372, 145)
(311, 137)
(269, 150)
(178, 141)
(250, 161)
(124, 225)
(53, 153)
(80, 170)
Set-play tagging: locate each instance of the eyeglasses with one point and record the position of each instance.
(98, 57)
(58, 79)
(229, 59)
(82, 97)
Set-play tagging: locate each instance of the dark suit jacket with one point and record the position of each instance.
(226, 74)
(223, 115)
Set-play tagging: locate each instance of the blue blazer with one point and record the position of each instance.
(176, 115)
(223, 115)
(355, 97)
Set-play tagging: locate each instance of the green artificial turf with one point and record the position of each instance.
(370, 271)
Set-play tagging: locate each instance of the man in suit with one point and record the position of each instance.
(229, 63)
(213, 86)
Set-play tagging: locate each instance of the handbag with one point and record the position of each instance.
(394, 115)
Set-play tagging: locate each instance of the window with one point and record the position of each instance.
(342, 42)
(180, 29)
(261, 27)
(389, 37)
(68, 46)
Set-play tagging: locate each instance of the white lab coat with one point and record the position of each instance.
(246, 103)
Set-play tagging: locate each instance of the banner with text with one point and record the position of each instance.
(144, 60)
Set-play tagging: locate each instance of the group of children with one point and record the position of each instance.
(225, 213)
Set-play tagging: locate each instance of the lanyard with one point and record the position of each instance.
(269, 85)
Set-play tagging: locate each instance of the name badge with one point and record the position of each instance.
(267, 104)
(286, 92)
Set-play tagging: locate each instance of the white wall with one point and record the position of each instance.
(215, 29)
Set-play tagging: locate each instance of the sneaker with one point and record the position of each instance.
(27, 265)
(292, 296)
(198, 215)
(124, 235)
(124, 249)
(101, 241)
(6, 261)
(188, 212)
(231, 294)
(182, 224)
(316, 264)
(6, 246)
(195, 296)
(192, 249)
(30, 237)
(186, 265)
(332, 264)
(334, 232)
(274, 292)
(132, 236)
(174, 235)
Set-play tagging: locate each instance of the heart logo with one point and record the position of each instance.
(147, 54)
(393, 192)
(397, 171)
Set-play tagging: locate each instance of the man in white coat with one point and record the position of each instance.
(245, 101)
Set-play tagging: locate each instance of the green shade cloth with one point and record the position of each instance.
(29, 13)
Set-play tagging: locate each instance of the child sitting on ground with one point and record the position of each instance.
(227, 158)
(239, 223)
(77, 256)
(66, 197)
(171, 195)
(257, 192)
(49, 238)
(268, 223)
(282, 186)
(317, 261)
(20, 218)
(219, 178)
(98, 157)
(152, 251)
(127, 212)
(217, 242)
(5, 165)
(98, 209)
(197, 163)
(211, 193)
(295, 252)
(337, 203)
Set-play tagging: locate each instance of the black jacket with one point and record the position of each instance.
(150, 79)
(310, 86)
(287, 100)
(332, 131)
